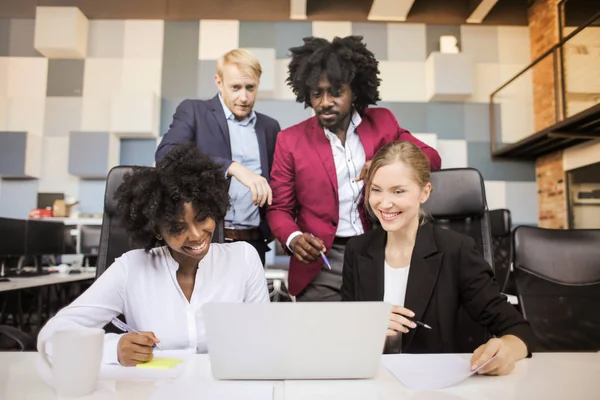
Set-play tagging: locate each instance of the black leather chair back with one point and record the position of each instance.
(557, 273)
(458, 203)
(114, 241)
(500, 223)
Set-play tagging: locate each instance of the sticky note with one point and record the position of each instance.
(160, 363)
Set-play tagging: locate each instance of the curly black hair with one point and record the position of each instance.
(153, 197)
(344, 60)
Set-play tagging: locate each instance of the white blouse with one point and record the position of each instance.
(143, 287)
(395, 280)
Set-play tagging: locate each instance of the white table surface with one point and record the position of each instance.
(546, 376)
(43, 280)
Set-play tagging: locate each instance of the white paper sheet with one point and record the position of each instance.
(214, 391)
(428, 371)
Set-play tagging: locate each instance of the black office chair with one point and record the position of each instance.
(12, 339)
(557, 273)
(114, 241)
(458, 202)
(500, 223)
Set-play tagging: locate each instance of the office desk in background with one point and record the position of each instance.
(44, 280)
(546, 376)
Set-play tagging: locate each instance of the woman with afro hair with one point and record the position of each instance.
(170, 211)
(319, 163)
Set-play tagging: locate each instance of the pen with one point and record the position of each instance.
(323, 256)
(421, 324)
(126, 328)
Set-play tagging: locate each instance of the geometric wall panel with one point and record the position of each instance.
(17, 197)
(401, 49)
(480, 42)
(21, 37)
(449, 77)
(282, 90)
(430, 139)
(137, 152)
(92, 154)
(486, 79)
(257, 34)
(446, 119)
(402, 81)
(290, 34)
(135, 114)
(25, 114)
(522, 201)
(453, 153)
(61, 32)
(54, 176)
(410, 116)
(375, 36)
(20, 155)
(227, 32)
(106, 38)
(91, 196)
(26, 77)
(63, 115)
(513, 45)
(65, 78)
(206, 86)
(143, 39)
(495, 193)
(286, 112)
(329, 30)
(142, 74)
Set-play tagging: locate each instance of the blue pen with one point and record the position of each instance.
(323, 256)
(126, 328)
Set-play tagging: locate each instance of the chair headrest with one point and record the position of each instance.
(457, 192)
(568, 256)
(500, 222)
(114, 179)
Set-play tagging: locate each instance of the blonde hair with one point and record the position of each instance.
(408, 154)
(243, 59)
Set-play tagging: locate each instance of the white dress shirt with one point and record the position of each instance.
(395, 280)
(143, 287)
(349, 160)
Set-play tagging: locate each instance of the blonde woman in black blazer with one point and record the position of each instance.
(426, 272)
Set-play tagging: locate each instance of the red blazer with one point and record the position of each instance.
(304, 182)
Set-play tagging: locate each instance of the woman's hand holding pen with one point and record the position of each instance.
(135, 348)
(307, 248)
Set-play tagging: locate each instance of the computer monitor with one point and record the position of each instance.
(44, 238)
(12, 234)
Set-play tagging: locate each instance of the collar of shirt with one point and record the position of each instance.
(354, 122)
(250, 119)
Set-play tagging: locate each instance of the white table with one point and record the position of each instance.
(44, 280)
(545, 376)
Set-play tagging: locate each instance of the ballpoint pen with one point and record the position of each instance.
(422, 324)
(323, 256)
(126, 328)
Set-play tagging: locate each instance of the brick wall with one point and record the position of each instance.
(550, 173)
(543, 34)
(552, 193)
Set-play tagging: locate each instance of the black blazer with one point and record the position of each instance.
(446, 272)
(203, 122)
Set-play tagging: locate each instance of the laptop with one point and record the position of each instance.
(273, 341)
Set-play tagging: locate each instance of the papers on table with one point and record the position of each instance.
(214, 391)
(428, 371)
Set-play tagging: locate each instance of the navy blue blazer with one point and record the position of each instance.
(203, 122)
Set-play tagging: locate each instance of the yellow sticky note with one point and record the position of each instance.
(160, 363)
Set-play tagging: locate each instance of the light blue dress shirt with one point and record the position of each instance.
(244, 150)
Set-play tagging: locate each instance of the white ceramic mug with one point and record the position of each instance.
(76, 360)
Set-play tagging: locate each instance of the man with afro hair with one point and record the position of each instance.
(319, 163)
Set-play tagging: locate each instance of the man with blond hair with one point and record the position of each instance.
(227, 128)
